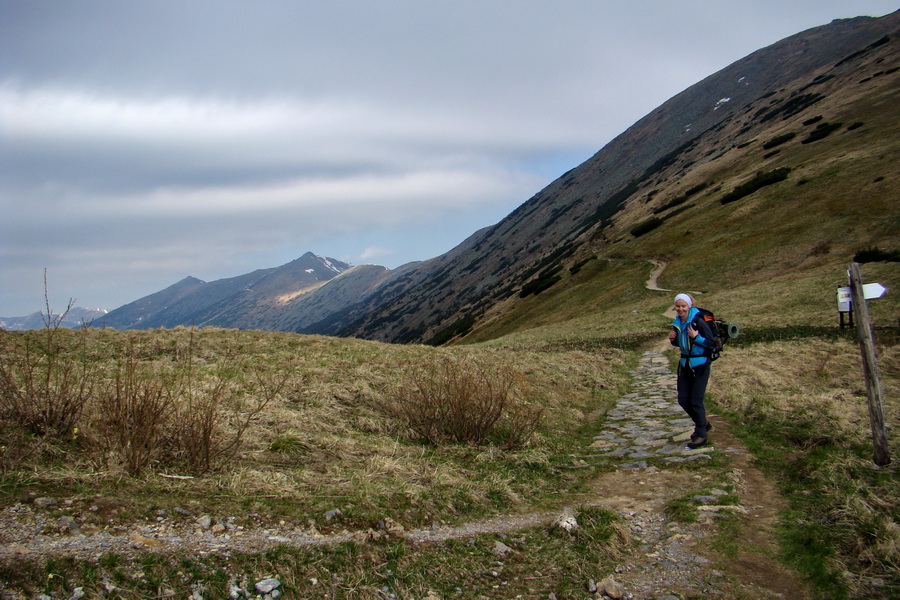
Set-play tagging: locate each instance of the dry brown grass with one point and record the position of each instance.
(297, 422)
(812, 377)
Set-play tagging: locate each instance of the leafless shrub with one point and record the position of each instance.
(44, 389)
(133, 411)
(521, 421)
(44, 386)
(461, 400)
(199, 428)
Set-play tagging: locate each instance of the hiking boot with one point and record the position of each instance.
(696, 442)
(708, 428)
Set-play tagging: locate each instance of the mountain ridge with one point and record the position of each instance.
(569, 212)
(192, 301)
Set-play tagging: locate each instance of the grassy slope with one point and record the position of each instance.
(774, 257)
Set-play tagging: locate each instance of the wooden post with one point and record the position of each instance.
(870, 366)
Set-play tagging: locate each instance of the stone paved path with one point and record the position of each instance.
(645, 437)
(647, 426)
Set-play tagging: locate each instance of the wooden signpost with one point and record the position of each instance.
(858, 295)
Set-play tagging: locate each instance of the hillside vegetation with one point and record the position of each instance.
(772, 256)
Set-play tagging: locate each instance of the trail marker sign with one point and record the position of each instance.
(858, 296)
(873, 290)
(845, 298)
(844, 294)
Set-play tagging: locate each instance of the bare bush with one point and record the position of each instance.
(133, 414)
(44, 389)
(199, 427)
(197, 432)
(461, 400)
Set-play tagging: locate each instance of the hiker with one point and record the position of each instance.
(694, 337)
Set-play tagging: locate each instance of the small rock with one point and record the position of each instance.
(501, 548)
(267, 585)
(138, 540)
(182, 511)
(77, 594)
(333, 514)
(392, 527)
(205, 522)
(684, 437)
(611, 588)
(567, 523)
(44, 502)
(641, 464)
(591, 586)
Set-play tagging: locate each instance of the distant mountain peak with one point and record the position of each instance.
(245, 301)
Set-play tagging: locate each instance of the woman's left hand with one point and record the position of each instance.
(692, 331)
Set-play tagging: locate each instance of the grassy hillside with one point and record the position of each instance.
(773, 256)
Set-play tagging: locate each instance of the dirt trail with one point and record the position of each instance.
(653, 281)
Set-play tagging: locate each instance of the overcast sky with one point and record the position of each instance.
(145, 141)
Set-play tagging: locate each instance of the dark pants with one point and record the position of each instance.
(691, 389)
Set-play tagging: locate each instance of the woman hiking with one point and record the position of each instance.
(695, 338)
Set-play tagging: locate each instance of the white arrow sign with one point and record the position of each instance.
(870, 291)
(873, 290)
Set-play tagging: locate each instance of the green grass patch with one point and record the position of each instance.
(832, 494)
(729, 540)
(682, 509)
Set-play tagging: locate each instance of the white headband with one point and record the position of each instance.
(686, 298)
